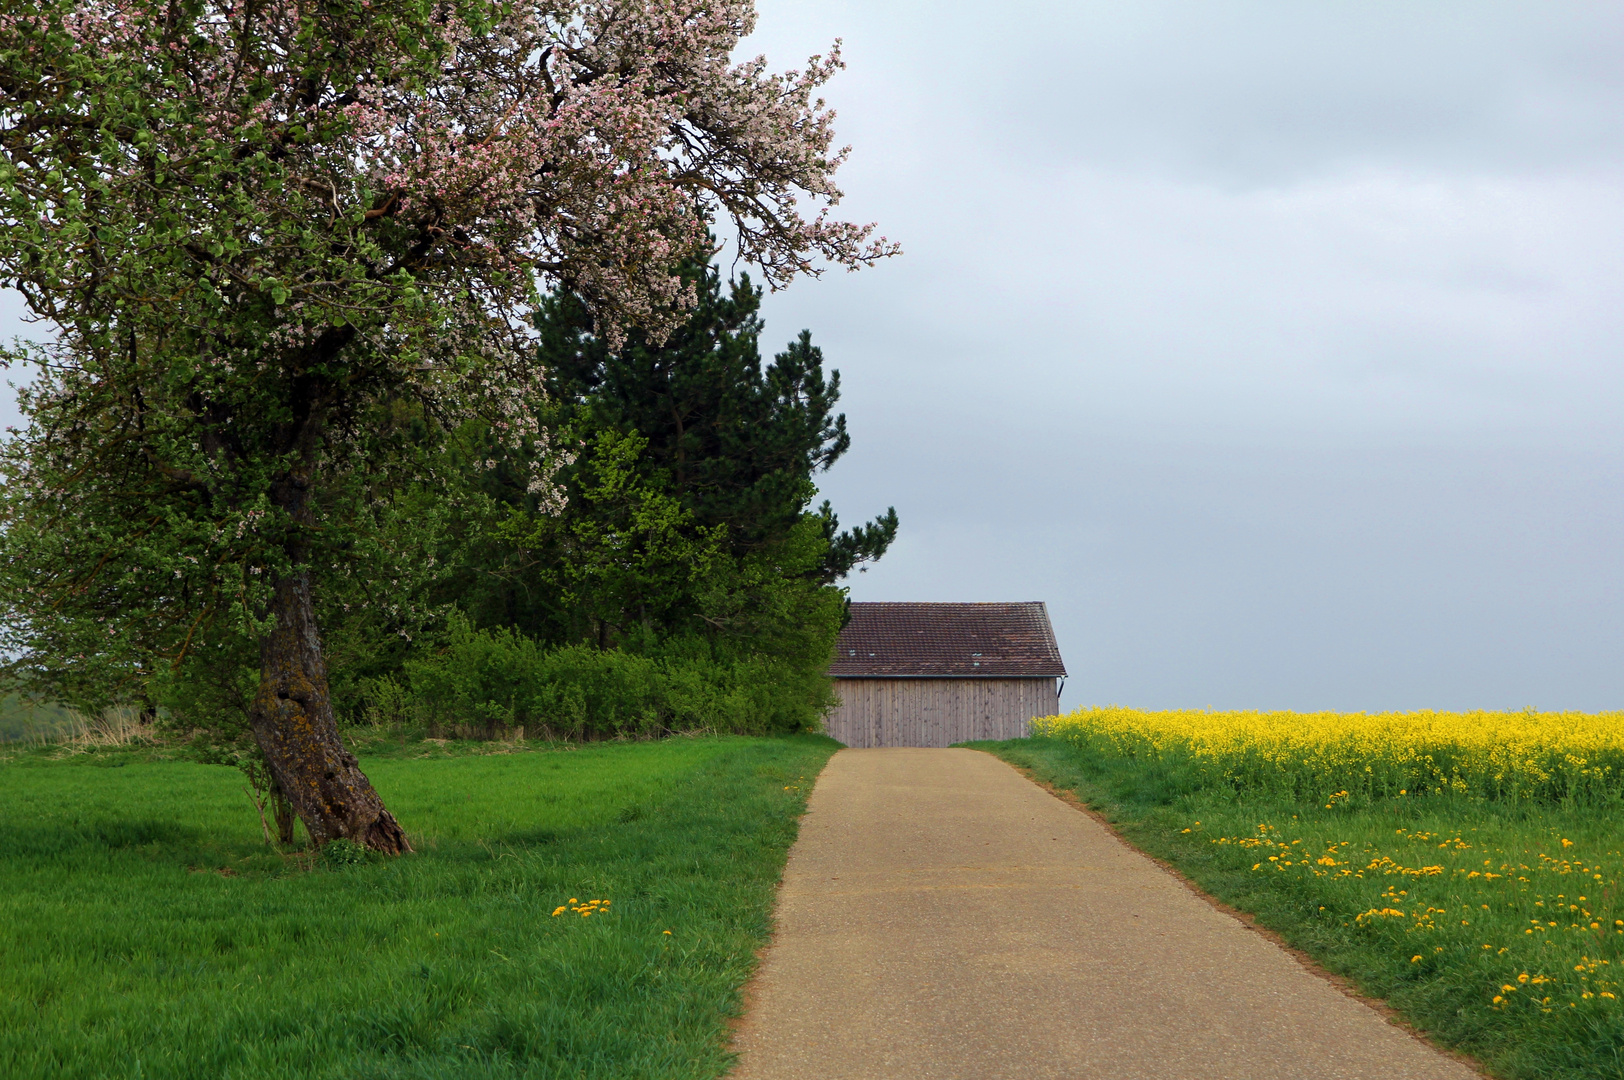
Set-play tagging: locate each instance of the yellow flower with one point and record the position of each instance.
(1493, 753)
(1416, 959)
(665, 931)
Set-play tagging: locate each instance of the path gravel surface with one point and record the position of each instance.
(942, 916)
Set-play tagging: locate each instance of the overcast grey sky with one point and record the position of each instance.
(1277, 346)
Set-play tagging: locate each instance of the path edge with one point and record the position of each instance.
(1341, 983)
(741, 1020)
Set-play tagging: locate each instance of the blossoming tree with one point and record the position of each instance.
(256, 226)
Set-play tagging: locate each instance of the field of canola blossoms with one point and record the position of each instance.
(1572, 758)
(1480, 851)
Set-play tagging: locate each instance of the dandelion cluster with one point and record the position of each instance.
(585, 909)
(1550, 920)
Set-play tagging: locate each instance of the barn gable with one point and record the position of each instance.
(921, 674)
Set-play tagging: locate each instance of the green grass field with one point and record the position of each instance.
(146, 930)
(1498, 929)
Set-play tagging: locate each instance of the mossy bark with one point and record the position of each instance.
(292, 718)
(283, 811)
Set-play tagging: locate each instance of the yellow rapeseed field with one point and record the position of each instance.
(1511, 756)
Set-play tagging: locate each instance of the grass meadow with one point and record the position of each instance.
(146, 930)
(1482, 902)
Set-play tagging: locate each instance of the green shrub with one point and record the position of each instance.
(490, 682)
(341, 853)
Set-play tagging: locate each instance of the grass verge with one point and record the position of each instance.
(1496, 929)
(145, 929)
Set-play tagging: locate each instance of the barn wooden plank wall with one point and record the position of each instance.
(937, 712)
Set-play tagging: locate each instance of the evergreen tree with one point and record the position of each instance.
(692, 488)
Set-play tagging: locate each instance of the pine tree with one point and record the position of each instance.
(727, 447)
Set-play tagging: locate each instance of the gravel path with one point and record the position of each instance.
(941, 916)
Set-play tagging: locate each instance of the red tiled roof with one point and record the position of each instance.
(990, 641)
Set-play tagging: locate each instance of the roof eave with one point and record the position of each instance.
(955, 675)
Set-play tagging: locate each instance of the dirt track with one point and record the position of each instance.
(941, 916)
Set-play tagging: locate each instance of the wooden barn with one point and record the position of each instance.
(938, 674)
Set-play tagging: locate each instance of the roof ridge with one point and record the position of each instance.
(962, 639)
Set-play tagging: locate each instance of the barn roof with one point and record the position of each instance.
(988, 641)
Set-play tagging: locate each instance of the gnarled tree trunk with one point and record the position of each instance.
(292, 717)
(292, 714)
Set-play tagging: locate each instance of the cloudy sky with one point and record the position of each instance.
(1277, 346)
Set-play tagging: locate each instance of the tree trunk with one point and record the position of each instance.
(283, 810)
(292, 717)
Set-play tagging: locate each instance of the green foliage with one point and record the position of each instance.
(341, 853)
(98, 612)
(492, 681)
(737, 442)
(145, 930)
(286, 252)
(1484, 892)
(623, 555)
(687, 537)
(689, 496)
(222, 330)
(371, 598)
